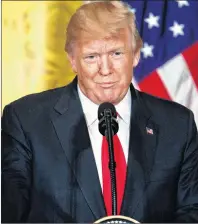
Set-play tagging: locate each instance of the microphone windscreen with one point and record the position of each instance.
(105, 106)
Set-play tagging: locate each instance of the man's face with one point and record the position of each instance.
(105, 67)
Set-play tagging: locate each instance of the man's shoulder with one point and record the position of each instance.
(38, 102)
(164, 108)
(41, 99)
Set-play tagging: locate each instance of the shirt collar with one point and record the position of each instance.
(90, 109)
(123, 108)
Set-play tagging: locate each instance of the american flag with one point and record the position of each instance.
(149, 131)
(169, 58)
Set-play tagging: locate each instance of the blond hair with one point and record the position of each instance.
(101, 19)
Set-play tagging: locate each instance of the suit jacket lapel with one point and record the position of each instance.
(71, 129)
(143, 137)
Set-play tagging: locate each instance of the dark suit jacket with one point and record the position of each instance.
(49, 172)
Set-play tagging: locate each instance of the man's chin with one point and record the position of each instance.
(109, 99)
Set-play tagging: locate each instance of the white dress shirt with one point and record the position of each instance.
(90, 110)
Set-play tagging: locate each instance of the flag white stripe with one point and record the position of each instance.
(135, 84)
(179, 83)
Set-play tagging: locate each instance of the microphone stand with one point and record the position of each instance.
(108, 127)
(112, 164)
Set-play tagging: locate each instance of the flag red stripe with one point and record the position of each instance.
(153, 85)
(191, 57)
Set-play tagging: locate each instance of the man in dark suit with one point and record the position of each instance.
(51, 147)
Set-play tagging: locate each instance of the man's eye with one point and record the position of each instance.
(90, 57)
(117, 53)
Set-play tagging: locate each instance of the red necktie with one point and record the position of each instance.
(120, 174)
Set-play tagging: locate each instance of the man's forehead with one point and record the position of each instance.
(104, 44)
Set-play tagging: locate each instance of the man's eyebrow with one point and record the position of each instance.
(90, 52)
(110, 50)
(116, 49)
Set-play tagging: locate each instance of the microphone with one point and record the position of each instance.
(107, 111)
(108, 127)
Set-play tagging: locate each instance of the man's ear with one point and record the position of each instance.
(136, 58)
(72, 62)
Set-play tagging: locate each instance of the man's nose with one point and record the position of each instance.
(105, 65)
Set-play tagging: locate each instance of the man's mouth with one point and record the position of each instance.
(107, 84)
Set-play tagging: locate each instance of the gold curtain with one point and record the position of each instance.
(33, 38)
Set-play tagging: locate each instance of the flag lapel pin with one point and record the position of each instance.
(149, 131)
